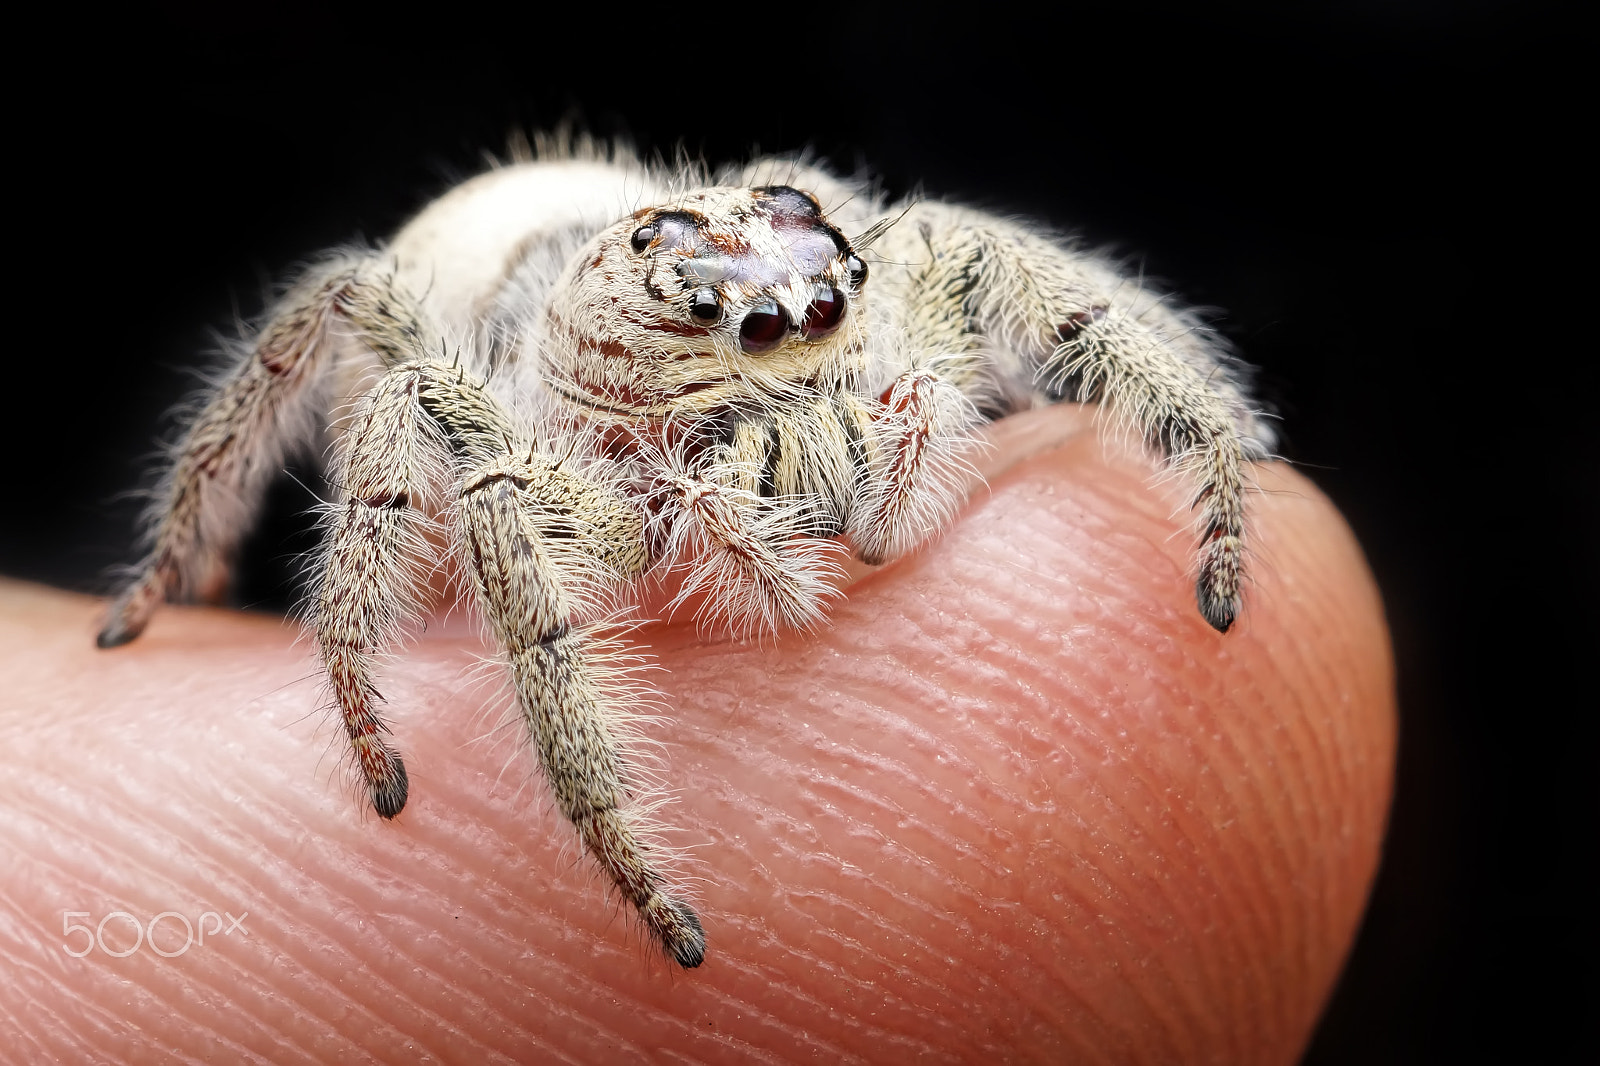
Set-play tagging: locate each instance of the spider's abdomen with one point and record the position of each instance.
(462, 250)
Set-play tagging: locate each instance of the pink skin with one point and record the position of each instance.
(1017, 802)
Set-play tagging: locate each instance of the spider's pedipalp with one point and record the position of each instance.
(747, 563)
(917, 461)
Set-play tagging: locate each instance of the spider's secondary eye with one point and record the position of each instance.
(763, 328)
(643, 236)
(706, 306)
(824, 314)
(858, 271)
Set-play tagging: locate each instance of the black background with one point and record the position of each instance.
(1371, 191)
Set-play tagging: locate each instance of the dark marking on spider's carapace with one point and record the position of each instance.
(792, 210)
(786, 200)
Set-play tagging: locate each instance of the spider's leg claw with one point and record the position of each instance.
(1218, 612)
(389, 790)
(131, 612)
(117, 632)
(678, 928)
(1217, 590)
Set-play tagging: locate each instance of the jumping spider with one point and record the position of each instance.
(727, 384)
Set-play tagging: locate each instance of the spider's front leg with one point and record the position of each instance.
(265, 408)
(540, 541)
(532, 530)
(1066, 324)
(390, 470)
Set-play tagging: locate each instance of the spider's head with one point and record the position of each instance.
(725, 295)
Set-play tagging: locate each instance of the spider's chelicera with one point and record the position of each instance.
(715, 387)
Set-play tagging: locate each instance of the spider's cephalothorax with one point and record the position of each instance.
(584, 391)
(726, 297)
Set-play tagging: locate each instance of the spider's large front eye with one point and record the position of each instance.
(643, 236)
(763, 328)
(706, 306)
(824, 314)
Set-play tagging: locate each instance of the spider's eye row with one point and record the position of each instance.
(763, 328)
(824, 314)
(765, 325)
(643, 236)
(706, 306)
(857, 269)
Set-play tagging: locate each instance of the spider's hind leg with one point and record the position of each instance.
(1184, 396)
(266, 407)
(1060, 324)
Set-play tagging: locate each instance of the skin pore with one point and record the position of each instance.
(1016, 800)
